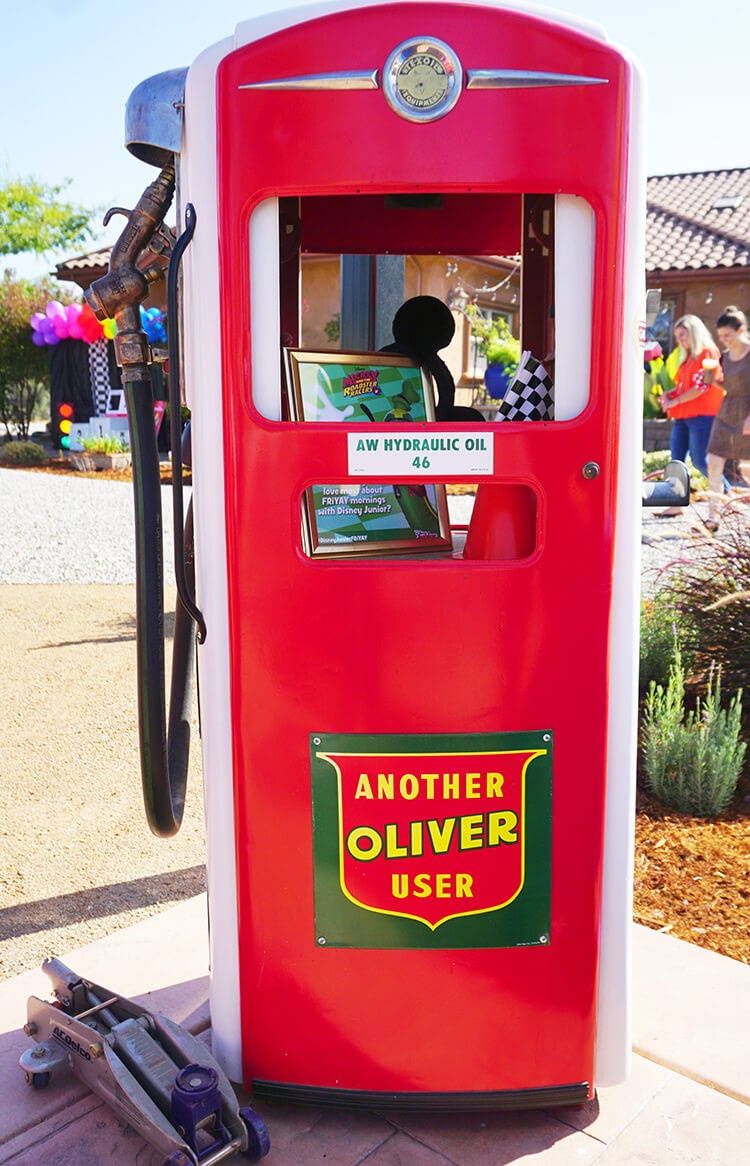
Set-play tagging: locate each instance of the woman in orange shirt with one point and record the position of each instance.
(696, 397)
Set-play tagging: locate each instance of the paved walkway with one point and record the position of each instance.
(687, 1101)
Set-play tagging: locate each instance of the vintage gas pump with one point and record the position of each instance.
(419, 767)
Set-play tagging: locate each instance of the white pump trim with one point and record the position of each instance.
(574, 299)
(203, 380)
(614, 1020)
(265, 312)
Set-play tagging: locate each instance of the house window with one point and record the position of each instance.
(662, 328)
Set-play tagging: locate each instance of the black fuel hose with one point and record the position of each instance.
(164, 755)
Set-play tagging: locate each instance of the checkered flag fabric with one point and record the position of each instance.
(531, 394)
(99, 374)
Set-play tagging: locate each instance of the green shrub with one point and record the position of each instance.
(22, 453)
(105, 444)
(692, 763)
(711, 595)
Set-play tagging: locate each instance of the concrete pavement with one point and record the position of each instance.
(687, 1100)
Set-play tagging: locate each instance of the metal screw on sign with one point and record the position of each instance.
(546, 737)
(544, 939)
(321, 939)
(591, 471)
(316, 740)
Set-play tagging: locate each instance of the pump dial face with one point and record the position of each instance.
(422, 79)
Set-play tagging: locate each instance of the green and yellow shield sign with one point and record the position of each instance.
(432, 841)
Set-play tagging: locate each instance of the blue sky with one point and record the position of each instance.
(68, 66)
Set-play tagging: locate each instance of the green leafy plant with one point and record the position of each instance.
(692, 761)
(22, 453)
(333, 328)
(107, 443)
(494, 339)
(659, 635)
(33, 217)
(24, 368)
(655, 382)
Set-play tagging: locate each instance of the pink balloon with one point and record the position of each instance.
(72, 312)
(60, 324)
(38, 339)
(36, 320)
(55, 308)
(76, 331)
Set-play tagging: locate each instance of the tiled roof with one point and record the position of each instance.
(698, 221)
(94, 259)
(694, 222)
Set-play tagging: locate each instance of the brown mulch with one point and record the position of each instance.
(692, 875)
(61, 465)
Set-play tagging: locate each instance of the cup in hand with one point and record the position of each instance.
(709, 369)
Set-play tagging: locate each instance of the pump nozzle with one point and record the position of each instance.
(118, 294)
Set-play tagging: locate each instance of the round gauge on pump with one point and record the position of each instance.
(422, 79)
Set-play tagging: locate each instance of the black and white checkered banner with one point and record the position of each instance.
(99, 374)
(531, 394)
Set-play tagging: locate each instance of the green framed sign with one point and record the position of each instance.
(366, 518)
(432, 841)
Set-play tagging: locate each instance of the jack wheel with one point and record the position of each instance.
(258, 1141)
(38, 1080)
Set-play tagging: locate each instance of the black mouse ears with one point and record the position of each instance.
(424, 323)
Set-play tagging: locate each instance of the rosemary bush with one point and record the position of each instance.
(659, 635)
(692, 763)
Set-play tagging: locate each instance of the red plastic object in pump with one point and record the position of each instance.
(503, 523)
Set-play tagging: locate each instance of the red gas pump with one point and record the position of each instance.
(418, 757)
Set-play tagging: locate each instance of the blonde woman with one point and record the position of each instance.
(695, 399)
(730, 435)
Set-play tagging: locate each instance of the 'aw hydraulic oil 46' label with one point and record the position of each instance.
(432, 841)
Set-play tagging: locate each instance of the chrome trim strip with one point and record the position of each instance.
(524, 79)
(366, 79)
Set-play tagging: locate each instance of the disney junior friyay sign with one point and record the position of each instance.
(431, 841)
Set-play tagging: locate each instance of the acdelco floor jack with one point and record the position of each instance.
(159, 1078)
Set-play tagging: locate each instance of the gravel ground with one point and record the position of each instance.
(77, 859)
(63, 529)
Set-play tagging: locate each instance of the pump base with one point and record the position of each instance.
(486, 1100)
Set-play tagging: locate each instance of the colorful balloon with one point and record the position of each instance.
(60, 325)
(73, 321)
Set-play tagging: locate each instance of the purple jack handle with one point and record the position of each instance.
(196, 1106)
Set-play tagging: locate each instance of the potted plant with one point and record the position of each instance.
(501, 350)
(107, 452)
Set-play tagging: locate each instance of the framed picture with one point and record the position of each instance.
(364, 518)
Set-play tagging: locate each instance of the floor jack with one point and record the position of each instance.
(157, 1077)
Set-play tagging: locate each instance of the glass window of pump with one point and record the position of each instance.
(302, 253)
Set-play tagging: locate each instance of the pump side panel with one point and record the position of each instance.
(442, 647)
